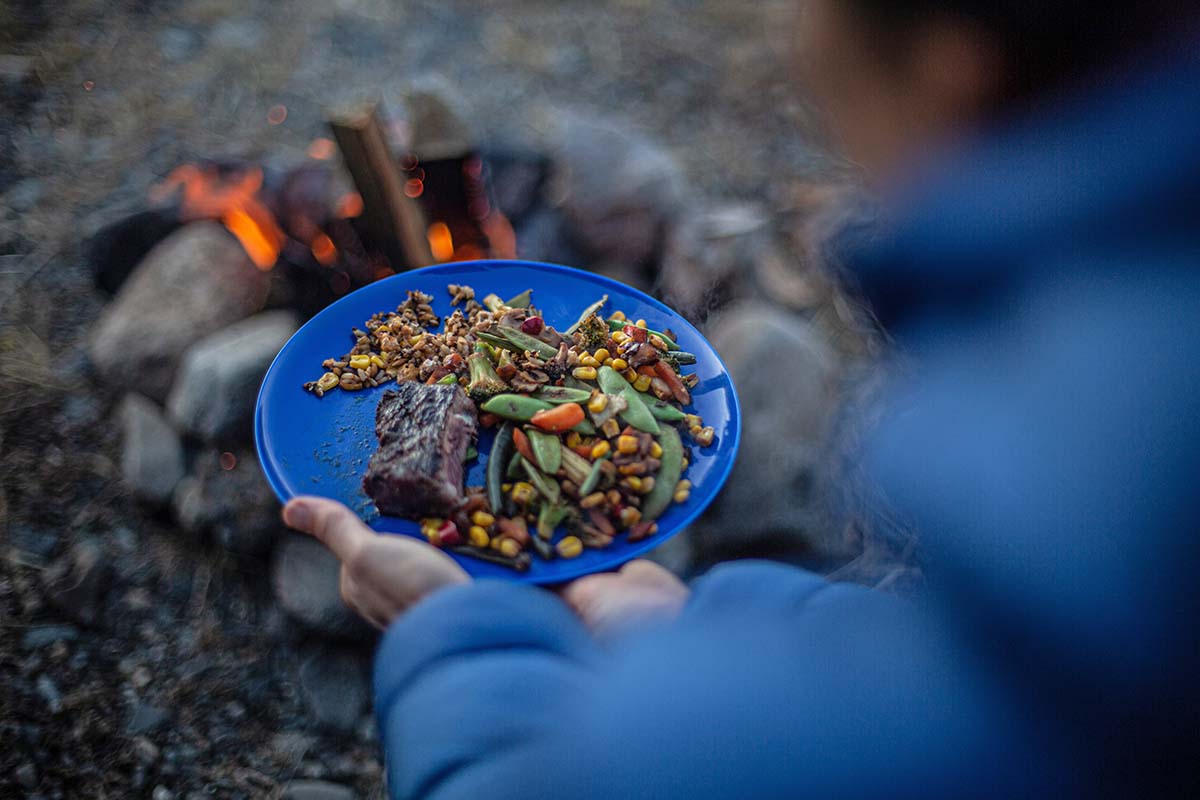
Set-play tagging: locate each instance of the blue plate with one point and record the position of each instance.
(320, 446)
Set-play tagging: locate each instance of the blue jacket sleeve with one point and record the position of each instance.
(771, 683)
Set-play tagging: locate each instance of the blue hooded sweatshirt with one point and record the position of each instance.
(1045, 285)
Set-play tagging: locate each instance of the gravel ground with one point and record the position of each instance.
(174, 675)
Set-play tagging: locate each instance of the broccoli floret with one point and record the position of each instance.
(592, 333)
(485, 382)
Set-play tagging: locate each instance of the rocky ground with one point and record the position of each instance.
(141, 658)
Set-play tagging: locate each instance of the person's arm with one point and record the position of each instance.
(772, 682)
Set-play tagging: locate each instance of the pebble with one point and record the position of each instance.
(75, 584)
(305, 576)
(146, 750)
(43, 635)
(27, 776)
(49, 692)
(146, 718)
(162, 793)
(335, 687)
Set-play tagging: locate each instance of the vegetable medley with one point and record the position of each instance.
(588, 420)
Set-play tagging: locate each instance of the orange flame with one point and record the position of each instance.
(323, 249)
(441, 243)
(234, 201)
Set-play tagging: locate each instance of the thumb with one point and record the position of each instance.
(336, 526)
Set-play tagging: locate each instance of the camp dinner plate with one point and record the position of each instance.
(320, 446)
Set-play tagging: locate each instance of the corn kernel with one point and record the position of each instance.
(630, 516)
(636, 468)
(569, 547)
(684, 463)
(522, 493)
(620, 337)
(506, 487)
(681, 496)
(483, 519)
(589, 361)
(478, 536)
(658, 343)
(361, 361)
(608, 362)
(627, 445)
(705, 437)
(598, 403)
(620, 364)
(327, 381)
(634, 482)
(601, 354)
(614, 497)
(683, 486)
(573, 439)
(592, 500)
(509, 546)
(647, 485)
(642, 383)
(641, 323)
(415, 340)
(600, 450)
(610, 428)
(653, 529)
(655, 450)
(618, 315)
(693, 420)
(630, 375)
(584, 373)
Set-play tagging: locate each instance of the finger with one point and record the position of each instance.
(582, 594)
(336, 526)
(359, 600)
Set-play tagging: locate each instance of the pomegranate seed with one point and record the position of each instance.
(532, 326)
(448, 535)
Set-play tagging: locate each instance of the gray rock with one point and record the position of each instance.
(24, 195)
(43, 635)
(193, 283)
(305, 578)
(178, 44)
(232, 500)
(768, 506)
(218, 381)
(76, 582)
(619, 191)
(146, 718)
(335, 686)
(146, 751)
(710, 258)
(292, 746)
(317, 790)
(438, 125)
(152, 454)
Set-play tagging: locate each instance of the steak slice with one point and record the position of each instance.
(423, 435)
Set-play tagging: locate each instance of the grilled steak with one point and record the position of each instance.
(423, 435)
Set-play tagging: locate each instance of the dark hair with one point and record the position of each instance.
(1046, 43)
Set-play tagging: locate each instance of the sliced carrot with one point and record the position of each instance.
(560, 418)
(522, 444)
(584, 450)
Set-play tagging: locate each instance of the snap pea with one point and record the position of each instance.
(665, 411)
(543, 547)
(521, 301)
(471, 453)
(519, 562)
(495, 466)
(562, 394)
(571, 382)
(513, 470)
(587, 312)
(549, 515)
(546, 450)
(524, 341)
(636, 413)
(592, 479)
(546, 487)
(515, 406)
(619, 324)
(656, 502)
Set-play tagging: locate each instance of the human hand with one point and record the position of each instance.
(382, 576)
(641, 591)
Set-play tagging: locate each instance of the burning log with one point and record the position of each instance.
(393, 220)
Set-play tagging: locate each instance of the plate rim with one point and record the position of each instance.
(720, 476)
